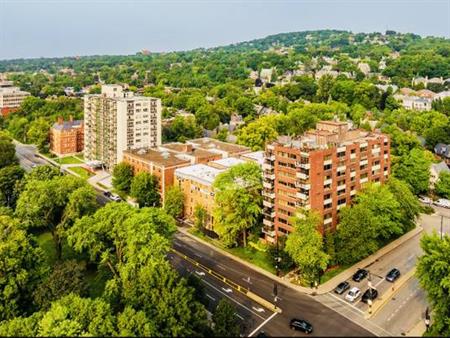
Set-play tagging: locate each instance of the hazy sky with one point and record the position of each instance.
(35, 28)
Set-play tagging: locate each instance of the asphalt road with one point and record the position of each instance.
(325, 321)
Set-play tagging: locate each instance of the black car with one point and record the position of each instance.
(369, 294)
(393, 275)
(107, 194)
(342, 287)
(301, 325)
(359, 275)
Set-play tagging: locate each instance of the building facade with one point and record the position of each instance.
(67, 137)
(322, 170)
(10, 97)
(116, 121)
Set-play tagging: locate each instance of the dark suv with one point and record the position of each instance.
(393, 275)
(301, 325)
(369, 294)
(359, 275)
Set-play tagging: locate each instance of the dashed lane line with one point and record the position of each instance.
(232, 299)
(210, 297)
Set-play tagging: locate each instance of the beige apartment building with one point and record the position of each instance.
(116, 121)
(321, 170)
(10, 97)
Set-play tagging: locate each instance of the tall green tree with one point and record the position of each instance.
(10, 177)
(225, 321)
(258, 133)
(238, 202)
(305, 246)
(38, 133)
(433, 271)
(43, 172)
(144, 188)
(174, 202)
(21, 269)
(66, 277)
(122, 177)
(414, 169)
(54, 204)
(442, 186)
(7, 151)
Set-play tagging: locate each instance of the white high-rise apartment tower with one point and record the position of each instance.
(115, 121)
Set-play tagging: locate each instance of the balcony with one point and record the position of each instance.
(301, 196)
(269, 194)
(341, 187)
(326, 182)
(386, 156)
(267, 166)
(341, 149)
(341, 168)
(302, 176)
(268, 230)
(268, 204)
(267, 222)
(353, 193)
(305, 186)
(364, 180)
(375, 151)
(267, 185)
(353, 174)
(363, 162)
(327, 201)
(352, 156)
(269, 212)
(302, 165)
(269, 157)
(376, 167)
(386, 172)
(327, 162)
(328, 220)
(269, 176)
(340, 206)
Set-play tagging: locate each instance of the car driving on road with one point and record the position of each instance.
(342, 287)
(359, 275)
(353, 294)
(393, 275)
(301, 325)
(369, 294)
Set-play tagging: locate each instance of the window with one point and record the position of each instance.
(327, 206)
(342, 201)
(327, 167)
(326, 196)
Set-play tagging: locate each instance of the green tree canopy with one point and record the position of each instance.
(442, 186)
(238, 202)
(144, 188)
(122, 177)
(174, 202)
(305, 246)
(225, 321)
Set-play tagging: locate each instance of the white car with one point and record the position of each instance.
(115, 198)
(353, 294)
(425, 200)
(442, 203)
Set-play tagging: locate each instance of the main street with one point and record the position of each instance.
(326, 322)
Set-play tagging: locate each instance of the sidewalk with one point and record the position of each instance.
(418, 330)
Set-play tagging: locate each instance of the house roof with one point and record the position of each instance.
(442, 149)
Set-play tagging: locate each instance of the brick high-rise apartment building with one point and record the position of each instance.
(67, 137)
(321, 170)
(116, 121)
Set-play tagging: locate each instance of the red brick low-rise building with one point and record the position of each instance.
(67, 137)
(321, 170)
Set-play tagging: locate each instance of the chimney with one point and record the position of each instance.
(71, 118)
(60, 120)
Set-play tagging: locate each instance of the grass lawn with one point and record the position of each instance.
(82, 172)
(68, 160)
(96, 279)
(249, 254)
(332, 273)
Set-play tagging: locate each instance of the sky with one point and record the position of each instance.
(51, 28)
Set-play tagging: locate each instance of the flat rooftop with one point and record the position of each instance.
(255, 156)
(228, 162)
(199, 172)
(159, 157)
(181, 148)
(216, 146)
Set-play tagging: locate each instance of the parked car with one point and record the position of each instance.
(353, 294)
(360, 275)
(107, 194)
(342, 287)
(369, 294)
(442, 202)
(115, 198)
(393, 275)
(425, 200)
(301, 325)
